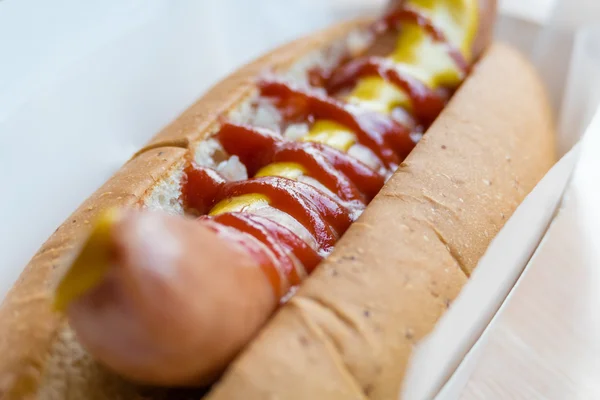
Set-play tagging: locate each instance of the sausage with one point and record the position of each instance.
(163, 312)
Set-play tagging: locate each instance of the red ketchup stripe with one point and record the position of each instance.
(427, 104)
(283, 264)
(254, 146)
(347, 177)
(323, 216)
(279, 239)
(318, 168)
(368, 181)
(407, 14)
(255, 248)
(390, 141)
(201, 187)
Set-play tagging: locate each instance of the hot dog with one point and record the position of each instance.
(169, 300)
(287, 175)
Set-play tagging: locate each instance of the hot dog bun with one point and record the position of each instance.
(506, 142)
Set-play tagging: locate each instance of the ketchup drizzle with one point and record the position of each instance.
(427, 103)
(324, 217)
(287, 247)
(389, 140)
(256, 250)
(341, 173)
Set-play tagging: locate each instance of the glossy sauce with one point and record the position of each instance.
(348, 178)
(325, 218)
(261, 254)
(293, 257)
(389, 140)
(426, 103)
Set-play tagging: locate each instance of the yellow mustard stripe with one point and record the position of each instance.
(244, 202)
(91, 264)
(420, 56)
(457, 19)
(332, 134)
(375, 94)
(416, 54)
(288, 170)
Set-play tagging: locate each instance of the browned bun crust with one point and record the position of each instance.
(38, 353)
(349, 331)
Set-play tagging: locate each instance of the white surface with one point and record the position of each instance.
(535, 10)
